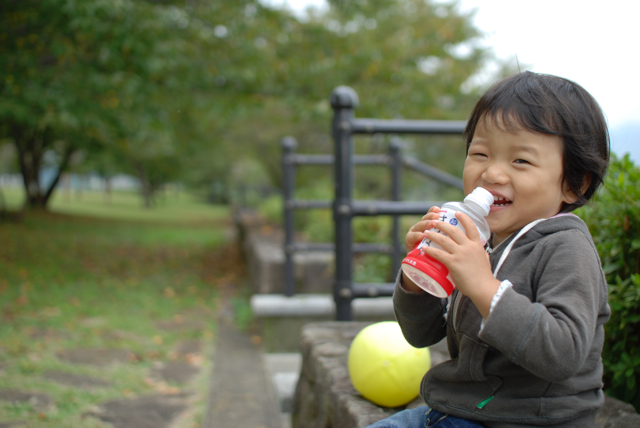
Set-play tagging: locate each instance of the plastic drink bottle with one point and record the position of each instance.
(428, 273)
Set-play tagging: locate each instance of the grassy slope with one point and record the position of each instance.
(68, 279)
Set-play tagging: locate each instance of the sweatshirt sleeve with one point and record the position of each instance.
(421, 316)
(552, 336)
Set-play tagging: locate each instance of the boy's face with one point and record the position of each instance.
(522, 170)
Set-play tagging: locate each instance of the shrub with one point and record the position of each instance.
(614, 221)
(271, 209)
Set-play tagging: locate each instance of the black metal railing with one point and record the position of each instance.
(344, 101)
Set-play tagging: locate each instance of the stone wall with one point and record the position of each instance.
(325, 397)
(262, 245)
(280, 318)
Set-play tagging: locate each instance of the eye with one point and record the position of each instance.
(477, 154)
(521, 161)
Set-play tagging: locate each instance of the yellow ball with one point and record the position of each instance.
(384, 368)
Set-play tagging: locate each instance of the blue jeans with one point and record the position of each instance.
(424, 417)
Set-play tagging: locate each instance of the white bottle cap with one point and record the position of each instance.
(482, 198)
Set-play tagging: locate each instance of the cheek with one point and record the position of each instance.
(470, 176)
(468, 172)
(467, 184)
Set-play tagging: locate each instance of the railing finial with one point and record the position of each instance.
(344, 97)
(289, 143)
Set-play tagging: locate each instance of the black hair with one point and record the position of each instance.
(555, 106)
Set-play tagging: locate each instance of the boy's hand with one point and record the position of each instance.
(416, 233)
(413, 238)
(466, 259)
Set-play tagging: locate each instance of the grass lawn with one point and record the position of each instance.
(108, 275)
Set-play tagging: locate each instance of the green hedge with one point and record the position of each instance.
(613, 218)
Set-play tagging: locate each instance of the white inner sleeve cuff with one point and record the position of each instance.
(496, 297)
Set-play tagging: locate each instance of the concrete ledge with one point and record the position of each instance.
(321, 305)
(326, 398)
(262, 246)
(282, 318)
(278, 305)
(313, 271)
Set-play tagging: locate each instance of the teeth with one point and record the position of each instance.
(500, 200)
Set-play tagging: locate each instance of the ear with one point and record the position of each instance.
(569, 196)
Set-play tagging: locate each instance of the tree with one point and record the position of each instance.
(59, 63)
(181, 90)
(80, 74)
(408, 59)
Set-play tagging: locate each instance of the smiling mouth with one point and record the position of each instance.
(499, 201)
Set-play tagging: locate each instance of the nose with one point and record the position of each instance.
(494, 173)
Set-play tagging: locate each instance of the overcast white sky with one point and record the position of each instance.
(593, 43)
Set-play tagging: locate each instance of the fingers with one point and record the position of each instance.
(451, 240)
(469, 226)
(449, 230)
(412, 239)
(457, 235)
(432, 214)
(436, 253)
(416, 232)
(444, 240)
(426, 222)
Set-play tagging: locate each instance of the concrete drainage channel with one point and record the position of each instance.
(284, 371)
(281, 320)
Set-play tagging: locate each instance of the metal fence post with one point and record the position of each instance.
(289, 145)
(396, 168)
(344, 100)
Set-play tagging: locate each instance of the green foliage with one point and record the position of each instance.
(271, 208)
(178, 90)
(614, 221)
(405, 59)
(372, 268)
(144, 85)
(77, 75)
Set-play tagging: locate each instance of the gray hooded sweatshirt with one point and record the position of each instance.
(537, 360)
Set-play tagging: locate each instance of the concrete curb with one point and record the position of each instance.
(321, 305)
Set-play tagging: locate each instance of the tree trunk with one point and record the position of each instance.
(3, 204)
(145, 186)
(29, 157)
(66, 179)
(107, 189)
(31, 146)
(62, 167)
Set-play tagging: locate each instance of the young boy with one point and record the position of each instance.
(525, 325)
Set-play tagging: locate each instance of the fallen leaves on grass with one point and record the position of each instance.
(51, 312)
(194, 359)
(162, 387)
